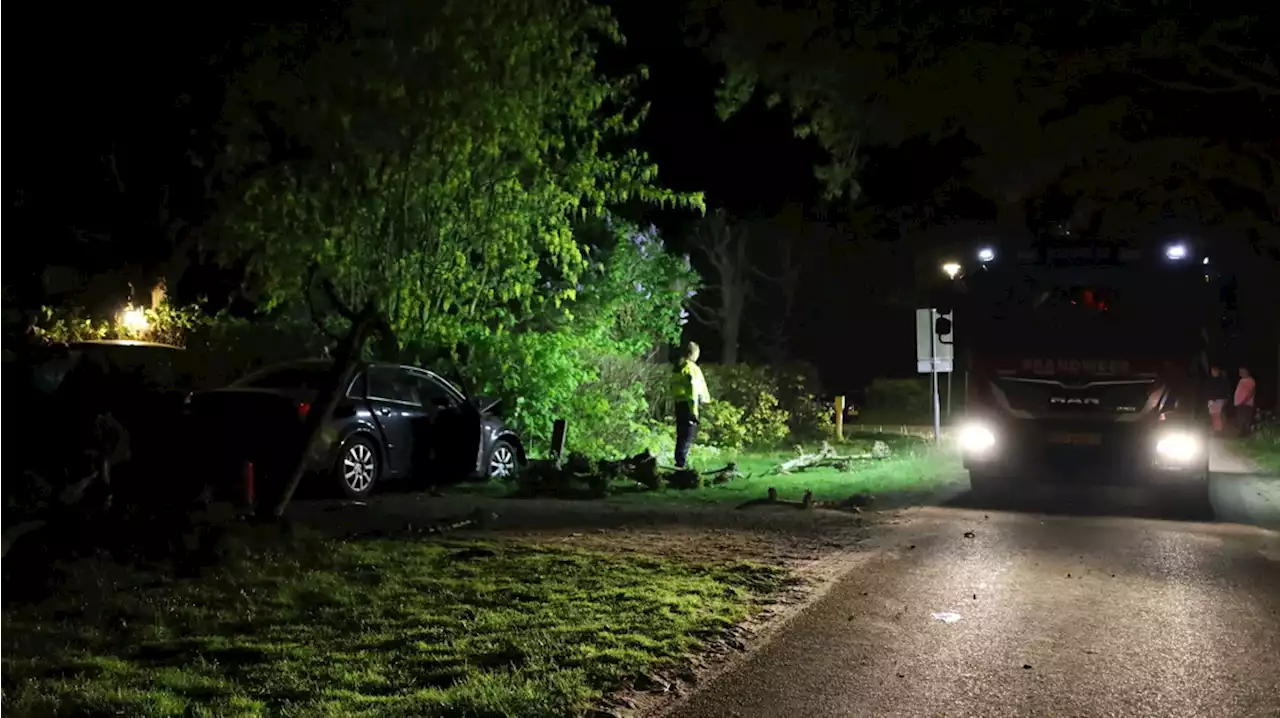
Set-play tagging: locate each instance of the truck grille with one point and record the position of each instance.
(1037, 397)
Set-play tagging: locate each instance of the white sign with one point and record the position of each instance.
(932, 352)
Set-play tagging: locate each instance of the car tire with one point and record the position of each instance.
(357, 467)
(503, 461)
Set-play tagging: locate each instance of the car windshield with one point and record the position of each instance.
(1065, 316)
(309, 376)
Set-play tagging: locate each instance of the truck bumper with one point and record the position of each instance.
(1081, 453)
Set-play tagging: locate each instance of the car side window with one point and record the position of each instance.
(359, 388)
(393, 384)
(434, 393)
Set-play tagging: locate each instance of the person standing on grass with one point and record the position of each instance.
(689, 389)
(1246, 389)
(1217, 392)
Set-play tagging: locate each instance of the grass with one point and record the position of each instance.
(913, 466)
(375, 627)
(1263, 447)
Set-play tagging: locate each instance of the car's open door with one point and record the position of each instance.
(455, 430)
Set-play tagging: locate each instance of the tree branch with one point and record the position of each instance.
(703, 314)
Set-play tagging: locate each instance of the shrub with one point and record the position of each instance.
(799, 390)
(900, 399)
(721, 425)
(753, 390)
(592, 363)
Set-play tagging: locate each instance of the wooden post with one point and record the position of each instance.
(559, 432)
(840, 418)
(250, 491)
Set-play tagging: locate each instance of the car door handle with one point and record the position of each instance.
(384, 411)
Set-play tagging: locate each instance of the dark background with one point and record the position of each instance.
(104, 127)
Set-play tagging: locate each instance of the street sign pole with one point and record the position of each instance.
(933, 380)
(934, 355)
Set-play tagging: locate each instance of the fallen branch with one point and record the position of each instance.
(828, 457)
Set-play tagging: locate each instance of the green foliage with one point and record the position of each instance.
(433, 158)
(721, 425)
(760, 406)
(1043, 91)
(591, 362)
(900, 399)
(754, 391)
(165, 323)
(492, 629)
(799, 392)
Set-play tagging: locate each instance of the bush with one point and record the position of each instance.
(592, 364)
(720, 425)
(905, 400)
(754, 392)
(799, 390)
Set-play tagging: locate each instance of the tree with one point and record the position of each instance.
(785, 241)
(1038, 89)
(432, 157)
(725, 243)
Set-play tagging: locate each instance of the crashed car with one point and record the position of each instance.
(392, 422)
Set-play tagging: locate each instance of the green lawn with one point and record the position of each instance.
(912, 466)
(1264, 448)
(367, 628)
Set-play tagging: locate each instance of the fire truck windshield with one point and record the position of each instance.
(1063, 316)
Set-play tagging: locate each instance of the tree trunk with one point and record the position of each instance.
(730, 327)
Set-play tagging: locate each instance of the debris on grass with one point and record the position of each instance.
(828, 457)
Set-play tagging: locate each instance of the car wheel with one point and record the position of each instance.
(358, 467)
(504, 461)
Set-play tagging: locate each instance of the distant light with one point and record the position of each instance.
(133, 320)
(986, 254)
(951, 269)
(1206, 260)
(1176, 251)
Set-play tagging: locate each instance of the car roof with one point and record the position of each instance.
(321, 364)
(122, 343)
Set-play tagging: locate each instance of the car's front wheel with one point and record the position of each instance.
(504, 461)
(358, 467)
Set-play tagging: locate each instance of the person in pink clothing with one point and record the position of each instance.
(1246, 390)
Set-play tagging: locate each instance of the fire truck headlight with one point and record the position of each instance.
(1181, 446)
(976, 439)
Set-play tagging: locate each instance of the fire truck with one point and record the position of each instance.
(1085, 359)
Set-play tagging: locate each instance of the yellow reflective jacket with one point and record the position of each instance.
(688, 384)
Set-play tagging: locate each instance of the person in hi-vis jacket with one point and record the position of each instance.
(689, 390)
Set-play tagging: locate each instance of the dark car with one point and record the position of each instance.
(63, 389)
(394, 422)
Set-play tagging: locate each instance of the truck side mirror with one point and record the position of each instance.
(942, 326)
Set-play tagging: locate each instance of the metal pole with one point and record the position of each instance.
(933, 375)
(953, 370)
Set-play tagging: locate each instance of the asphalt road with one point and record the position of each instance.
(1063, 611)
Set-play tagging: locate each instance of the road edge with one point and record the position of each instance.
(754, 634)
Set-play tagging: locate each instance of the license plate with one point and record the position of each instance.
(1075, 439)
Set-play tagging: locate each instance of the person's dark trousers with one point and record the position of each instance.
(686, 429)
(1244, 419)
